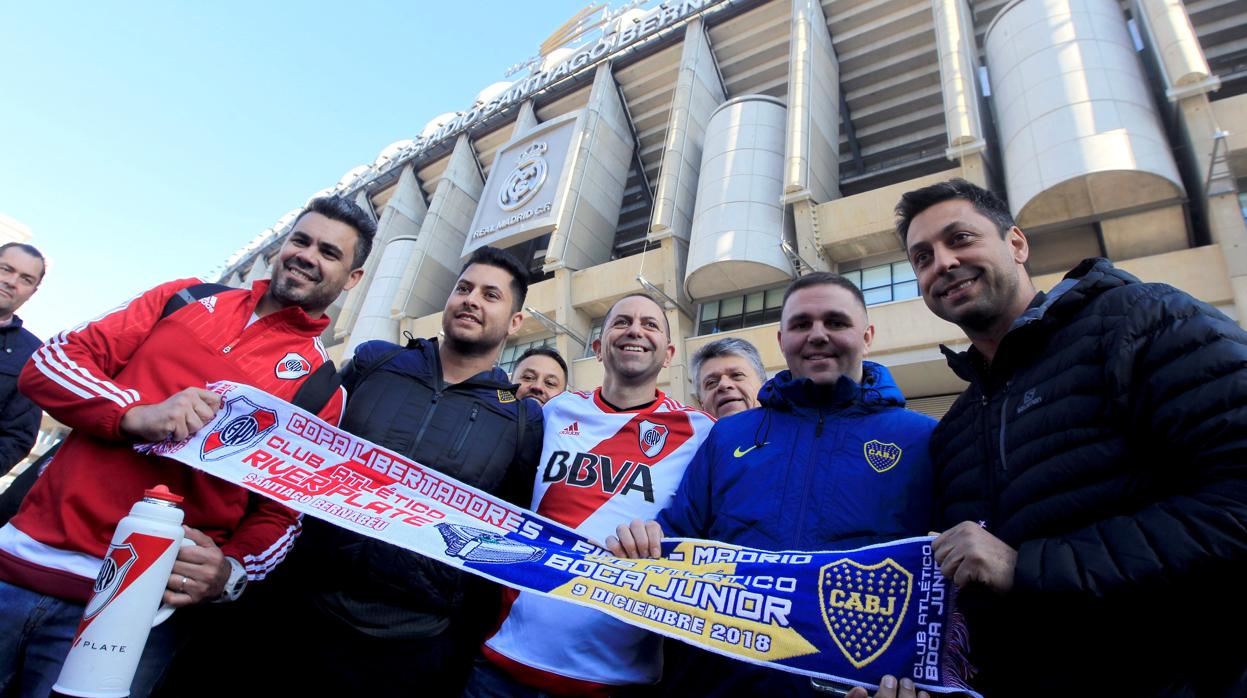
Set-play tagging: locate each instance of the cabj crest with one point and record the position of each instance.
(881, 456)
(863, 606)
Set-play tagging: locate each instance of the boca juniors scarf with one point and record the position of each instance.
(846, 616)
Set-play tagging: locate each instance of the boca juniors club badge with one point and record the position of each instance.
(242, 426)
(292, 366)
(881, 456)
(652, 437)
(863, 606)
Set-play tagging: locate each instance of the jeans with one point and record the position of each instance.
(35, 632)
(488, 681)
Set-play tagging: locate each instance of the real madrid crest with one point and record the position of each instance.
(863, 606)
(526, 179)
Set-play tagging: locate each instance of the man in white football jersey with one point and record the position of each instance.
(611, 455)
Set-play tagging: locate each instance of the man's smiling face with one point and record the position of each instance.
(634, 345)
(968, 272)
(824, 333)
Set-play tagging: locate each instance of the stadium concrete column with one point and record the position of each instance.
(260, 271)
(585, 231)
(437, 255)
(1188, 83)
(698, 92)
(396, 237)
(350, 302)
(812, 157)
(954, 38)
(362, 201)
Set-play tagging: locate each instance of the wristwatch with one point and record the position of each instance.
(235, 584)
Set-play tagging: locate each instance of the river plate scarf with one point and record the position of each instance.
(847, 616)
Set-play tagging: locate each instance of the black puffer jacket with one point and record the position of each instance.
(19, 417)
(469, 431)
(1107, 444)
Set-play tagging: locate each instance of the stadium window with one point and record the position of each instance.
(513, 352)
(885, 283)
(737, 312)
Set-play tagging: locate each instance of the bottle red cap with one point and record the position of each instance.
(162, 492)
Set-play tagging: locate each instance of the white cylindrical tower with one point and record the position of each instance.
(1080, 133)
(738, 221)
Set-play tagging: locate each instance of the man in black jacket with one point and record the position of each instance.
(1091, 482)
(21, 271)
(373, 617)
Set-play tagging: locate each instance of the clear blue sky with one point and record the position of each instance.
(146, 141)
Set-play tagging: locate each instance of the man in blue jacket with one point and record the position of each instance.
(831, 461)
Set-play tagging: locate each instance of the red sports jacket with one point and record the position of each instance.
(90, 376)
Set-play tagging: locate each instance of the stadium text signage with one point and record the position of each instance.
(605, 47)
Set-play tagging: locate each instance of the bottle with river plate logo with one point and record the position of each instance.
(125, 601)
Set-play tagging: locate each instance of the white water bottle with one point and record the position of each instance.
(125, 601)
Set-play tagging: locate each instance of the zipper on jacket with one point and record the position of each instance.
(428, 417)
(818, 429)
(463, 437)
(1004, 412)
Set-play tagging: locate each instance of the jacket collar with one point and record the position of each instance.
(494, 378)
(1047, 311)
(292, 315)
(877, 389)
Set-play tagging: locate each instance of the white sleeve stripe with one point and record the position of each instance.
(55, 378)
(57, 360)
(258, 566)
(48, 365)
(60, 340)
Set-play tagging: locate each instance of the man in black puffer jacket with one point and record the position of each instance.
(368, 617)
(1092, 480)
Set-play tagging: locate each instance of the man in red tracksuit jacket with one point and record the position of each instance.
(131, 376)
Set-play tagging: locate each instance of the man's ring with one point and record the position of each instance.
(183, 589)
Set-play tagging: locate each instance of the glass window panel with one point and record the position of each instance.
(710, 311)
(878, 295)
(731, 306)
(732, 323)
(753, 302)
(753, 318)
(771, 315)
(775, 298)
(706, 327)
(902, 271)
(854, 276)
(874, 277)
(508, 354)
(905, 291)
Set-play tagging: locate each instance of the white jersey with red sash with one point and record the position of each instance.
(600, 467)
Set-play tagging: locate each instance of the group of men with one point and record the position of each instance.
(1087, 487)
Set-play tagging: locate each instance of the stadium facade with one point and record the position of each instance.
(710, 151)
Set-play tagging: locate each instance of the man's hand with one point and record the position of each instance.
(174, 419)
(200, 572)
(967, 553)
(638, 539)
(888, 689)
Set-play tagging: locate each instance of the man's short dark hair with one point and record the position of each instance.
(30, 250)
(639, 294)
(343, 210)
(545, 351)
(984, 201)
(824, 278)
(494, 257)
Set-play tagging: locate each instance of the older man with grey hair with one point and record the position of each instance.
(727, 375)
